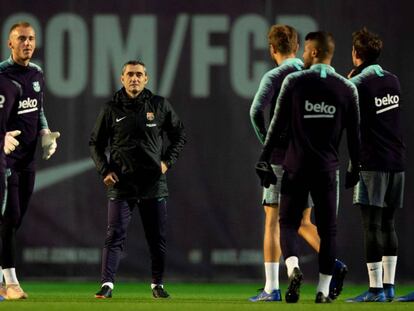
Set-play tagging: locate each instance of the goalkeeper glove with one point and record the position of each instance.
(49, 144)
(10, 142)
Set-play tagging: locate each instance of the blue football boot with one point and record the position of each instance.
(389, 291)
(338, 277)
(275, 295)
(407, 298)
(369, 296)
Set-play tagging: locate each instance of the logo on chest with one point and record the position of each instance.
(150, 118)
(27, 105)
(36, 86)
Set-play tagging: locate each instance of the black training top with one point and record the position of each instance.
(382, 145)
(315, 105)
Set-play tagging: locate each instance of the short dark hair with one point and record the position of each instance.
(283, 38)
(134, 63)
(367, 45)
(325, 42)
(20, 24)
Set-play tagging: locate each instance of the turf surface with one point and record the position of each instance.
(74, 296)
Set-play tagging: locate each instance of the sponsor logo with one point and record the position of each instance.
(389, 101)
(321, 110)
(36, 86)
(119, 119)
(27, 105)
(150, 116)
(151, 124)
(2, 100)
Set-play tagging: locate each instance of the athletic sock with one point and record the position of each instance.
(323, 285)
(389, 264)
(375, 274)
(10, 276)
(291, 263)
(110, 284)
(153, 285)
(1, 276)
(272, 276)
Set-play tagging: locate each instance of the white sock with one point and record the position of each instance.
(323, 285)
(291, 263)
(1, 276)
(110, 284)
(10, 276)
(375, 274)
(272, 276)
(153, 285)
(389, 264)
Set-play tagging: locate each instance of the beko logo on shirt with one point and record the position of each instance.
(323, 110)
(391, 101)
(27, 105)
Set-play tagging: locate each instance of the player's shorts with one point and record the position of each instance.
(271, 195)
(382, 189)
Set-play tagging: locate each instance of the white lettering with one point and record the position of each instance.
(387, 100)
(28, 103)
(324, 110)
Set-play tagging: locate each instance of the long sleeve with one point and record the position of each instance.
(174, 129)
(277, 135)
(263, 98)
(353, 130)
(98, 142)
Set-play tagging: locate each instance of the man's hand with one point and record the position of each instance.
(10, 143)
(266, 174)
(49, 144)
(110, 179)
(352, 176)
(164, 167)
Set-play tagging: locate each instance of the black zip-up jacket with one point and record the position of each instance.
(132, 130)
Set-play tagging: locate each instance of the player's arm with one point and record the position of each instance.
(277, 134)
(261, 100)
(353, 140)
(98, 142)
(8, 95)
(49, 143)
(174, 129)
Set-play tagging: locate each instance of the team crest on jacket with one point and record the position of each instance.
(36, 86)
(150, 116)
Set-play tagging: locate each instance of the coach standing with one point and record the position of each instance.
(132, 126)
(313, 108)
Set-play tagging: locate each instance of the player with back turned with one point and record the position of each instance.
(379, 192)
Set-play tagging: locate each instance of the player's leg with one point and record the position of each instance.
(394, 200)
(271, 241)
(323, 191)
(369, 196)
(294, 195)
(119, 216)
(308, 230)
(19, 192)
(154, 219)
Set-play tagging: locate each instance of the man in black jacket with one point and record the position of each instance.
(131, 126)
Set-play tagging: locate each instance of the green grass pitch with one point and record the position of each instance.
(49, 296)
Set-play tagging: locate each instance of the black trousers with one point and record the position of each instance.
(295, 189)
(154, 218)
(20, 186)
